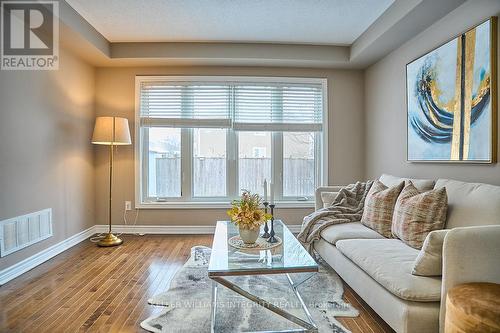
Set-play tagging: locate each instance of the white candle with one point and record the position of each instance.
(272, 193)
(265, 190)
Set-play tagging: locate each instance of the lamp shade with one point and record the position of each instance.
(111, 130)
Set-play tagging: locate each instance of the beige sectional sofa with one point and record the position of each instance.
(379, 269)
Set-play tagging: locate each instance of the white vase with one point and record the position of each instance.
(249, 236)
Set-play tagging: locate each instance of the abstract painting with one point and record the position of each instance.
(451, 100)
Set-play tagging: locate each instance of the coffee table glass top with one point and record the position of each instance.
(289, 257)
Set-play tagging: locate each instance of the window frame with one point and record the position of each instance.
(140, 144)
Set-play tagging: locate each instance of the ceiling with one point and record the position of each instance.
(325, 22)
(274, 33)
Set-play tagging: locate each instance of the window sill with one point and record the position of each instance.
(216, 205)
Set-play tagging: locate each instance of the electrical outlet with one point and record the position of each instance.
(128, 205)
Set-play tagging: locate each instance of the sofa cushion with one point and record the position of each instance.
(353, 230)
(420, 184)
(430, 258)
(379, 207)
(418, 213)
(390, 263)
(471, 204)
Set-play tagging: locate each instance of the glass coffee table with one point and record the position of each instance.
(287, 258)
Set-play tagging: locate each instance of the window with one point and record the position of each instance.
(299, 164)
(203, 139)
(164, 162)
(209, 162)
(254, 168)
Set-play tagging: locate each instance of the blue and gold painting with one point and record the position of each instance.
(449, 100)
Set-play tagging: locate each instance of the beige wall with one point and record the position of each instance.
(46, 159)
(385, 112)
(115, 96)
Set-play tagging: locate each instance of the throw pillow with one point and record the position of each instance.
(379, 207)
(430, 259)
(417, 214)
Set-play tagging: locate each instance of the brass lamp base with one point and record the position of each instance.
(110, 240)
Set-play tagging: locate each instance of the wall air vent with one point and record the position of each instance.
(19, 232)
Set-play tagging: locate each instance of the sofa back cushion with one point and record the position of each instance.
(471, 204)
(379, 207)
(420, 184)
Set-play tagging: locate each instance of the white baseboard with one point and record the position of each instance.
(295, 228)
(158, 229)
(21, 267)
(15, 270)
(169, 229)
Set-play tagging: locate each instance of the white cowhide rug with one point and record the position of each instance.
(187, 302)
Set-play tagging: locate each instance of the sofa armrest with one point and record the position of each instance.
(333, 189)
(470, 254)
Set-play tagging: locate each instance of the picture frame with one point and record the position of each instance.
(451, 99)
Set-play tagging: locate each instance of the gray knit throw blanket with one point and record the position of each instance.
(347, 207)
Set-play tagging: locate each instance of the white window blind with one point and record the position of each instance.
(244, 106)
(278, 107)
(185, 104)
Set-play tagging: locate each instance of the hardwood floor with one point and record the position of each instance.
(106, 289)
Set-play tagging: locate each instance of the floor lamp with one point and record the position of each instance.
(111, 131)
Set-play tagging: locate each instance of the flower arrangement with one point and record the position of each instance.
(245, 212)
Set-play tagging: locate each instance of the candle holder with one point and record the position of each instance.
(266, 228)
(272, 239)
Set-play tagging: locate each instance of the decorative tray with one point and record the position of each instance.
(260, 243)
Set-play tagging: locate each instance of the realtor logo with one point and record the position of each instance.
(29, 35)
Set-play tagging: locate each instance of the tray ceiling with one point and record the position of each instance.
(330, 22)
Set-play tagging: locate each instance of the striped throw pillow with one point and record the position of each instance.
(379, 207)
(418, 213)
